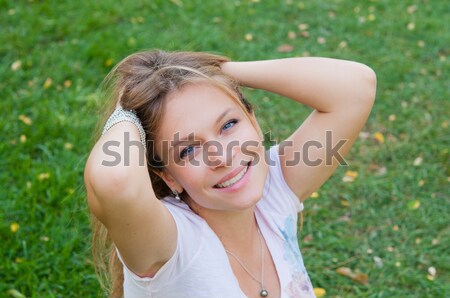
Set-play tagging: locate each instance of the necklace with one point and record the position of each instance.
(263, 292)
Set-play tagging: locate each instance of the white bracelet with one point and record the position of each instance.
(121, 115)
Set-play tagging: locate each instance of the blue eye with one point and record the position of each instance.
(186, 151)
(230, 124)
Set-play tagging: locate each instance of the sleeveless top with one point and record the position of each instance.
(200, 267)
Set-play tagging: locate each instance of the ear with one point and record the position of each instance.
(171, 182)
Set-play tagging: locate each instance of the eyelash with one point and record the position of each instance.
(185, 152)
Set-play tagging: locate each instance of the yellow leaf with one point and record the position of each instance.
(350, 176)
(379, 137)
(108, 62)
(25, 119)
(48, 82)
(344, 271)
(413, 205)
(23, 138)
(19, 260)
(15, 294)
(356, 276)
(345, 203)
(248, 37)
(43, 176)
(418, 161)
(303, 27)
(14, 227)
(315, 195)
(68, 146)
(342, 44)
(16, 65)
(319, 292)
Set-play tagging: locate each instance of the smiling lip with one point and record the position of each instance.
(239, 172)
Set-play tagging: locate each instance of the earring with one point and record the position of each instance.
(175, 195)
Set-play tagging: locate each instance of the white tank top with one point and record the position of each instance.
(200, 267)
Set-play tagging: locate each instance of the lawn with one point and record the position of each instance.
(385, 215)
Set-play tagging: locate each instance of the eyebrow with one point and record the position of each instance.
(192, 136)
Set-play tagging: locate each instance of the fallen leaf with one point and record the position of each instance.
(16, 294)
(345, 203)
(414, 205)
(14, 227)
(285, 48)
(342, 44)
(319, 292)
(303, 27)
(304, 34)
(16, 65)
(108, 62)
(378, 261)
(418, 161)
(43, 176)
(392, 117)
(356, 276)
(350, 176)
(411, 9)
(19, 260)
(307, 238)
(48, 82)
(379, 137)
(291, 35)
(23, 138)
(411, 26)
(248, 37)
(314, 195)
(67, 83)
(25, 119)
(321, 40)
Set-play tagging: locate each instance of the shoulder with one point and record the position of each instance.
(277, 195)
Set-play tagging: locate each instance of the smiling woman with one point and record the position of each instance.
(211, 213)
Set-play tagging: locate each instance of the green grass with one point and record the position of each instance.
(80, 41)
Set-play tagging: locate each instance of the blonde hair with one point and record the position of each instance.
(142, 82)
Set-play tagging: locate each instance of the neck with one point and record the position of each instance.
(235, 229)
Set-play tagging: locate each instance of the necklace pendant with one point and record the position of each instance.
(264, 293)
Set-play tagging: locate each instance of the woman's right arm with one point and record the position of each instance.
(121, 196)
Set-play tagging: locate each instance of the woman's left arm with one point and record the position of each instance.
(342, 94)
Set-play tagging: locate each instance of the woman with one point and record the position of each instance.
(192, 202)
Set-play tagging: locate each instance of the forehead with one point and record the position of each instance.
(193, 108)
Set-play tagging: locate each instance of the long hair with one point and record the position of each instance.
(142, 82)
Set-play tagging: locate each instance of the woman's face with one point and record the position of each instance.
(211, 149)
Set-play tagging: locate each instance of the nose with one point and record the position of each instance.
(220, 154)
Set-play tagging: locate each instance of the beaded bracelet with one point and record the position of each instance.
(121, 115)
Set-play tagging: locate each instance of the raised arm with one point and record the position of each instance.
(342, 94)
(120, 195)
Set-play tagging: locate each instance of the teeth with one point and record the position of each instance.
(233, 180)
